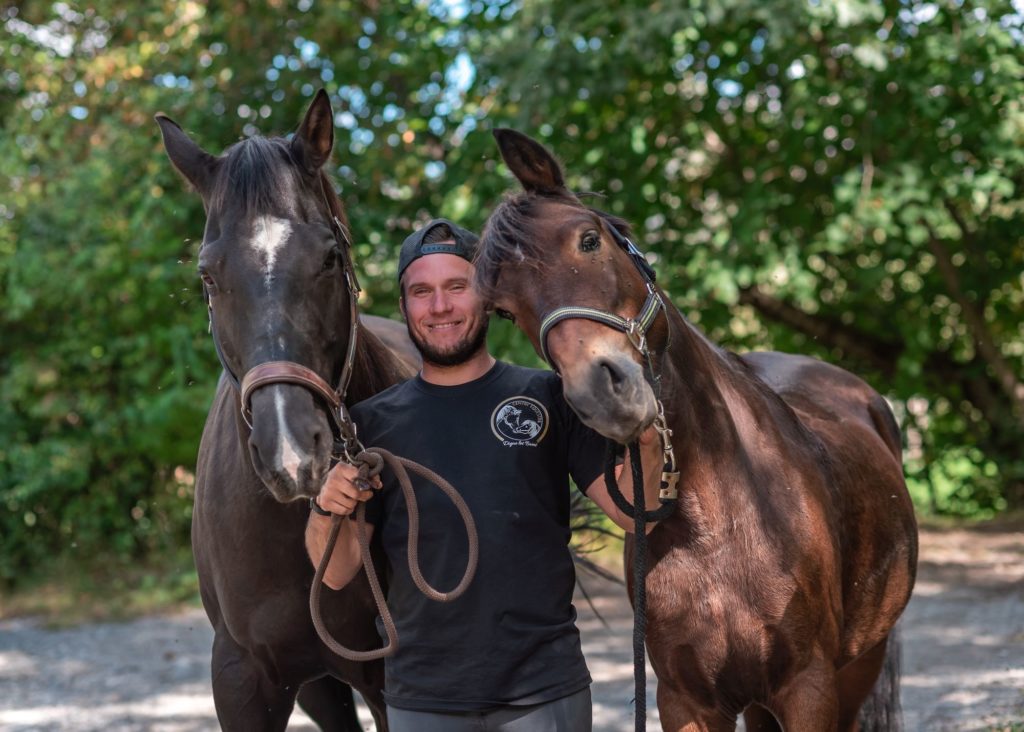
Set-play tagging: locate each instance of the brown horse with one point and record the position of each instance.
(273, 264)
(775, 586)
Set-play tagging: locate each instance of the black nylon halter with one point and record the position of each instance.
(634, 328)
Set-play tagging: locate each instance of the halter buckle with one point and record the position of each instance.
(348, 431)
(669, 474)
(668, 490)
(636, 336)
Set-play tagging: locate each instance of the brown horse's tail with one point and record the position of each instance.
(881, 712)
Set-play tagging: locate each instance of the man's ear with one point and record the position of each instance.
(401, 306)
(530, 162)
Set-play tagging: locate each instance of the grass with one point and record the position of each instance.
(72, 592)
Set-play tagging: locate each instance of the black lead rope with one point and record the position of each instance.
(640, 519)
(668, 505)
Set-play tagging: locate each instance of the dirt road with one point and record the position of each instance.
(963, 656)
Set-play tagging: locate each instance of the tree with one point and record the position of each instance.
(843, 179)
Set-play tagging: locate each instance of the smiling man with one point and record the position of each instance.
(506, 655)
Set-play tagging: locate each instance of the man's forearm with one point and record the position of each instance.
(345, 560)
(652, 461)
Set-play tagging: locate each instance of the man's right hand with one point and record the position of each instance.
(344, 490)
(340, 495)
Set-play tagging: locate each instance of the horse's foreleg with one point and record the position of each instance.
(245, 699)
(681, 713)
(808, 701)
(329, 703)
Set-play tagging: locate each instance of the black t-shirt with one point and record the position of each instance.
(508, 443)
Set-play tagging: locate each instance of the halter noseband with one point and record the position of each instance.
(289, 372)
(634, 328)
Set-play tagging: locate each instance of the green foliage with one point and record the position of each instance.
(835, 178)
(838, 178)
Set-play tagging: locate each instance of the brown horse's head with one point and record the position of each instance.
(543, 249)
(272, 271)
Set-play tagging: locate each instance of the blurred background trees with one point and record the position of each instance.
(840, 178)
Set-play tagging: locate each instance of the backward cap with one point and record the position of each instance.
(428, 240)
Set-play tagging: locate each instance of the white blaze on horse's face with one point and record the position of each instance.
(268, 236)
(290, 456)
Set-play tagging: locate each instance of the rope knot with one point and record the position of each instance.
(369, 463)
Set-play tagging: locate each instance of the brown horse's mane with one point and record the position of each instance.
(508, 234)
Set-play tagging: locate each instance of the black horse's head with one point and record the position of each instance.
(272, 266)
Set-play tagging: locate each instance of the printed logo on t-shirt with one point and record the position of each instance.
(520, 420)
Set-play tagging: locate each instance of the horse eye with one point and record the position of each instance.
(591, 242)
(505, 314)
(330, 260)
(208, 282)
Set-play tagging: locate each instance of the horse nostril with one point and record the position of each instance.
(316, 439)
(614, 374)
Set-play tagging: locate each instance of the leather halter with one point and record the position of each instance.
(289, 372)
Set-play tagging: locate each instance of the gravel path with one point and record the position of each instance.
(963, 656)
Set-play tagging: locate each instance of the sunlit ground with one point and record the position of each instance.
(963, 655)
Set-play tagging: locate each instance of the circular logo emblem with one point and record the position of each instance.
(520, 420)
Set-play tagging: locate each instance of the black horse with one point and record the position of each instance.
(273, 265)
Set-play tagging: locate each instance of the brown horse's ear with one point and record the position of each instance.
(530, 162)
(195, 164)
(312, 144)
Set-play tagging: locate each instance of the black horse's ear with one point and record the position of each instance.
(530, 162)
(312, 144)
(194, 163)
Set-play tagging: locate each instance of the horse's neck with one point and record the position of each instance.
(699, 385)
(375, 369)
(713, 405)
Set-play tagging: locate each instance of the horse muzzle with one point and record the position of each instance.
(290, 443)
(611, 395)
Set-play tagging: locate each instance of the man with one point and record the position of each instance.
(506, 655)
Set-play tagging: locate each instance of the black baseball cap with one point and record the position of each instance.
(440, 236)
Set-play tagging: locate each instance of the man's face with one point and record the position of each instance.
(444, 313)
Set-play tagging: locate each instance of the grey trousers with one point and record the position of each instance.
(572, 713)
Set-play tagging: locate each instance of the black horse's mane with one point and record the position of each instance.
(255, 172)
(259, 171)
(510, 234)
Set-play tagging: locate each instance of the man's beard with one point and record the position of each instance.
(457, 354)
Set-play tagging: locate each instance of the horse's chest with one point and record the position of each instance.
(727, 614)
